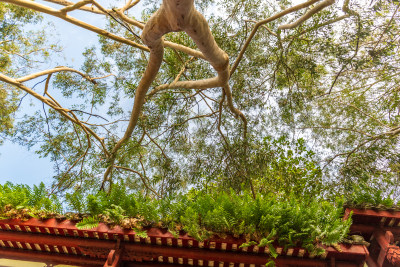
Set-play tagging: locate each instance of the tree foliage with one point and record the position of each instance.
(19, 52)
(316, 84)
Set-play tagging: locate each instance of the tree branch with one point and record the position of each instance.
(261, 22)
(75, 6)
(69, 3)
(56, 69)
(51, 11)
(308, 15)
(63, 111)
(141, 178)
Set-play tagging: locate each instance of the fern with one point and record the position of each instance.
(115, 213)
(265, 220)
(140, 233)
(248, 244)
(88, 223)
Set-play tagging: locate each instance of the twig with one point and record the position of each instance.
(258, 24)
(141, 178)
(88, 113)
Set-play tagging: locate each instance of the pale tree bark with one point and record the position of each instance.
(175, 16)
(172, 16)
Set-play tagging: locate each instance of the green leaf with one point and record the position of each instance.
(88, 223)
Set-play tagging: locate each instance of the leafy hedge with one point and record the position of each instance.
(263, 220)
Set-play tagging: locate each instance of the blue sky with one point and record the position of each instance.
(17, 164)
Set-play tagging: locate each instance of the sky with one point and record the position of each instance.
(17, 164)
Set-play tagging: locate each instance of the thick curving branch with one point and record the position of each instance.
(175, 16)
(182, 48)
(152, 36)
(195, 25)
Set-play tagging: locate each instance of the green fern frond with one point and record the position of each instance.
(88, 223)
(140, 233)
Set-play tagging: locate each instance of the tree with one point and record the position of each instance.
(293, 74)
(16, 55)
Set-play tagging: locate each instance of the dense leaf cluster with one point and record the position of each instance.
(263, 220)
(23, 196)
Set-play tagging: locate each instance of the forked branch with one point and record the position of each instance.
(175, 16)
(66, 113)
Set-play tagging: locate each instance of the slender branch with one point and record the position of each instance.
(75, 6)
(345, 65)
(63, 111)
(173, 85)
(336, 128)
(46, 87)
(50, 71)
(183, 69)
(329, 22)
(88, 113)
(196, 117)
(219, 123)
(365, 114)
(265, 27)
(308, 15)
(154, 142)
(69, 3)
(51, 11)
(387, 26)
(102, 77)
(234, 110)
(120, 13)
(261, 22)
(129, 5)
(104, 124)
(141, 178)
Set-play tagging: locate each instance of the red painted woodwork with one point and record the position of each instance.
(382, 228)
(61, 241)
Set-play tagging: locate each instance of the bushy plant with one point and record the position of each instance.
(23, 196)
(264, 220)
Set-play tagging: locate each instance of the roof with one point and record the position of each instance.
(381, 227)
(59, 241)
